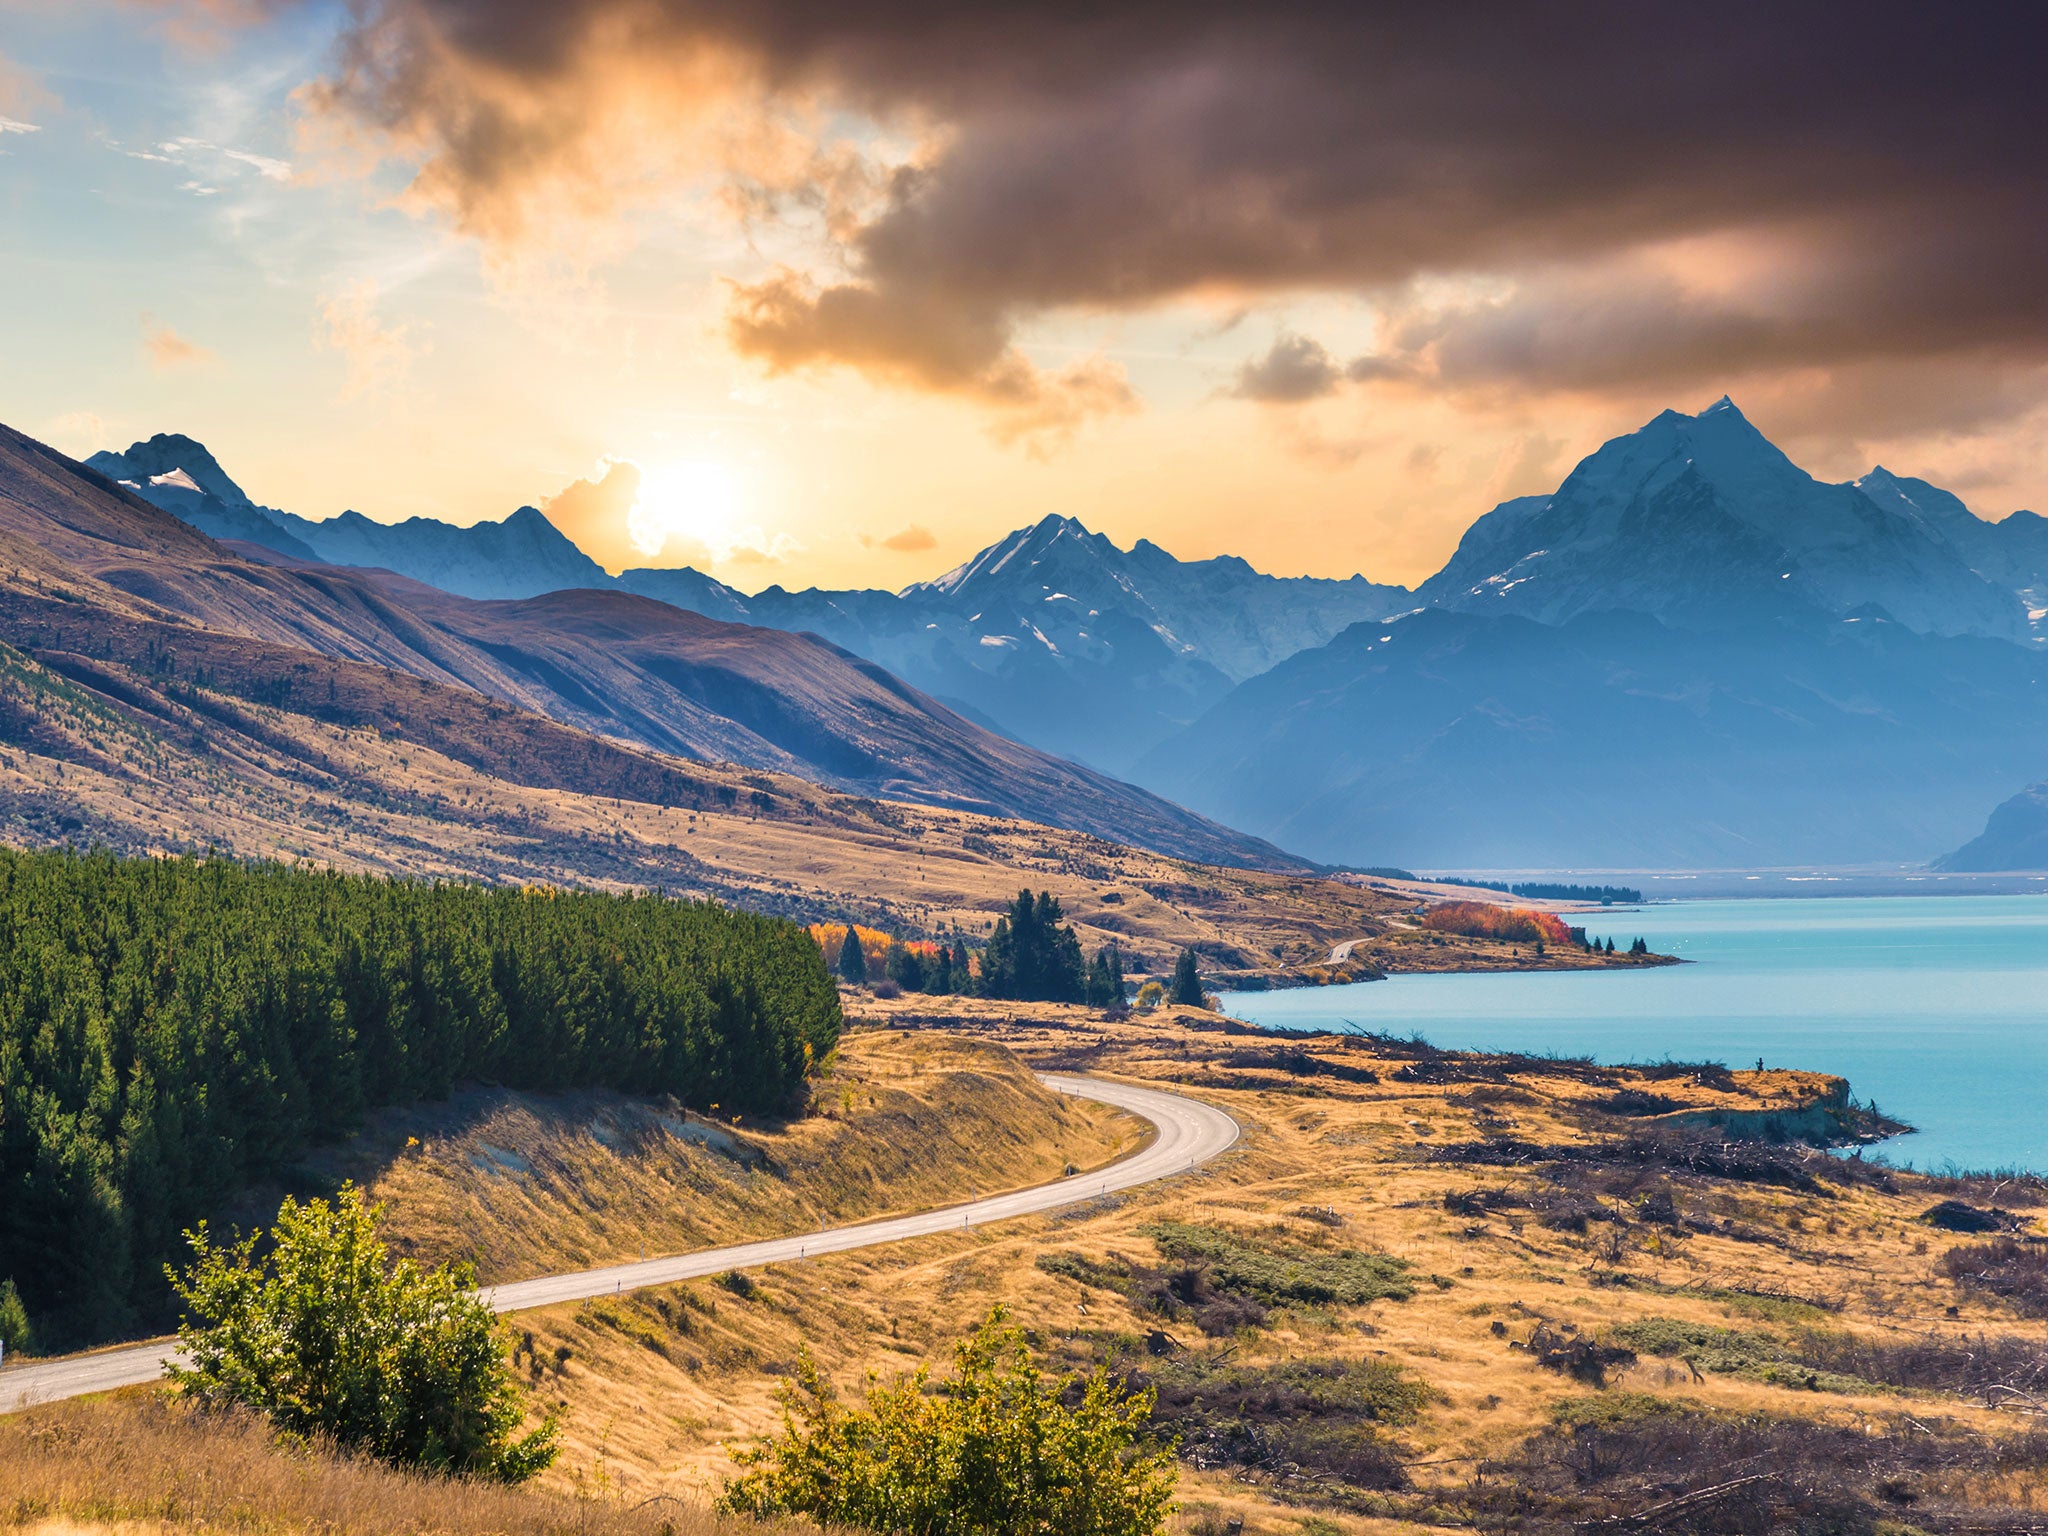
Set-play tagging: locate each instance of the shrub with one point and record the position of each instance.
(326, 1336)
(1322, 1418)
(2014, 1271)
(998, 1448)
(15, 1334)
(1279, 1274)
(1151, 995)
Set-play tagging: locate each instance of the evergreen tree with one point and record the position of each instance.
(175, 1030)
(1032, 956)
(1185, 990)
(16, 1337)
(1106, 978)
(905, 966)
(963, 968)
(853, 960)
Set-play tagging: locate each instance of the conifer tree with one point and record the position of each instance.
(905, 967)
(177, 1029)
(853, 960)
(1032, 956)
(1185, 990)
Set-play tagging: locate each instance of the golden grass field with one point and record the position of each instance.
(1343, 1149)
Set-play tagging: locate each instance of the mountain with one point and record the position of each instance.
(1053, 635)
(1612, 739)
(523, 555)
(1059, 638)
(2012, 551)
(1702, 522)
(2014, 837)
(175, 473)
(102, 575)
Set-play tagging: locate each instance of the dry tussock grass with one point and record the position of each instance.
(143, 1464)
(525, 1184)
(1341, 1155)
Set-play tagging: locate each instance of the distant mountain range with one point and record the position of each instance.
(523, 556)
(132, 585)
(1614, 740)
(1054, 635)
(1691, 654)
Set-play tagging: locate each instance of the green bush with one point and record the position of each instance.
(1000, 1448)
(1733, 1352)
(15, 1333)
(328, 1337)
(1281, 1274)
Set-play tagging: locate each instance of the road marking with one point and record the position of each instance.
(1186, 1133)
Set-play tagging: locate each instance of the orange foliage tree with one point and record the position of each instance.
(1485, 920)
(873, 942)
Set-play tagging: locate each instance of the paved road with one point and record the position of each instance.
(1187, 1132)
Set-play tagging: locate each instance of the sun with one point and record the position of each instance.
(692, 503)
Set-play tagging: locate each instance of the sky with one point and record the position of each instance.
(835, 295)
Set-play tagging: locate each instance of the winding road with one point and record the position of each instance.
(1187, 1132)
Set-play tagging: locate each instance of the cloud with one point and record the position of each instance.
(21, 93)
(379, 356)
(167, 351)
(910, 541)
(594, 514)
(1294, 368)
(963, 176)
(264, 166)
(790, 324)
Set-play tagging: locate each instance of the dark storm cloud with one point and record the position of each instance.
(1884, 159)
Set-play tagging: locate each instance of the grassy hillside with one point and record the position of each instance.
(438, 781)
(1581, 1291)
(525, 1184)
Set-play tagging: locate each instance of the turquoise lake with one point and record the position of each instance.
(1936, 1008)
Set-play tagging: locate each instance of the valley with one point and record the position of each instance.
(1556, 1256)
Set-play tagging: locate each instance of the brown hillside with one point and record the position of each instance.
(89, 570)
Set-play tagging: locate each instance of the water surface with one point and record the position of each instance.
(1936, 1007)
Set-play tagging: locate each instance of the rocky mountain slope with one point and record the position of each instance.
(2015, 836)
(91, 571)
(1702, 522)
